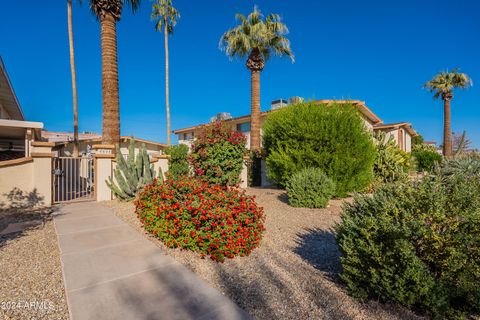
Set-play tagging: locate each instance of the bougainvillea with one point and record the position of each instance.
(216, 221)
(217, 154)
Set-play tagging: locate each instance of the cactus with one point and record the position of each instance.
(133, 174)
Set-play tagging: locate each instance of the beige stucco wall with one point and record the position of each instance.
(103, 170)
(82, 148)
(26, 182)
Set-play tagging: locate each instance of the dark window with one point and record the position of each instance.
(243, 127)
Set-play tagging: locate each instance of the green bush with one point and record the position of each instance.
(178, 163)
(310, 188)
(217, 155)
(425, 159)
(417, 244)
(332, 137)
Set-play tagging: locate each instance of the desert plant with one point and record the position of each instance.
(131, 175)
(258, 38)
(219, 222)
(310, 188)
(217, 154)
(178, 163)
(391, 164)
(331, 137)
(425, 160)
(416, 243)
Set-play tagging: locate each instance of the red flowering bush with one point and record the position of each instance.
(221, 222)
(217, 154)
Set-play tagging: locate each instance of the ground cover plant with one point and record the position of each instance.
(331, 137)
(417, 243)
(216, 221)
(178, 163)
(217, 155)
(310, 188)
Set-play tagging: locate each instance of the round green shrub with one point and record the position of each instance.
(310, 188)
(417, 244)
(178, 163)
(215, 221)
(425, 159)
(332, 137)
(217, 155)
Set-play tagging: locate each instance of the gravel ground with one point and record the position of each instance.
(294, 273)
(31, 285)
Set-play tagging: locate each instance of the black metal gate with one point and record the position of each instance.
(73, 179)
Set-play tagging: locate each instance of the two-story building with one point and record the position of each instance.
(402, 132)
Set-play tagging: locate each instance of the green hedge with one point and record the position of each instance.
(178, 163)
(310, 188)
(425, 160)
(330, 137)
(417, 244)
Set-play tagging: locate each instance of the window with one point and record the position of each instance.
(243, 127)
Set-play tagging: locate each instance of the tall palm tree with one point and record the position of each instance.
(109, 12)
(442, 86)
(165, 17)
(74, 79)
(257, 37)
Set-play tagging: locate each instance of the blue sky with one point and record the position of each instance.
(377, 51)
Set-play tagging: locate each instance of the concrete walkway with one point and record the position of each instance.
(112, 272)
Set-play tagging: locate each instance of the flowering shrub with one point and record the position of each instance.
(221, 222)
(217, 155)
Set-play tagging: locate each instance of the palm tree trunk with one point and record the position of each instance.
(74, 79)
(447, 140)
(110, 99)
(255, 111)
(167, 94)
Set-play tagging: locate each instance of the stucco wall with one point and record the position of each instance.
(17, 188)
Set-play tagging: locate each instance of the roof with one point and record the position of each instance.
(392, 126)
(364, 110)
(15, 129)
(8, 98)
(54, 136)
(122, 139)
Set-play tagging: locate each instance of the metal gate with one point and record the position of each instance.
(73, 179)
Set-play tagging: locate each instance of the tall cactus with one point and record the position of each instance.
(131, 175)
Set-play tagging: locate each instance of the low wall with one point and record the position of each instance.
(23, 185)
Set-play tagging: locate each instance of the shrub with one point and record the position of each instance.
(221, 222)
(425, 160)
(178, 163)
(217, 155)
(391, 164)
(331, 137)
(310, 188)
(416, 243)
(131, 175)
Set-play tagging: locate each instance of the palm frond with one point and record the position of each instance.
(445, 82)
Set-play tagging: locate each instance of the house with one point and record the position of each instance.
(85, 146)
(16, 134)
(402, 132)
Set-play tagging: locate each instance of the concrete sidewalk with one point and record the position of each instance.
(113, 272)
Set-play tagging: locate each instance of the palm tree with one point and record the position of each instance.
(442, 86)
(74, 79)
(257, 37)
(166, 17)
(109, 12)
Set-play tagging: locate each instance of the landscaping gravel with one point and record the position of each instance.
(31, 285)
(294, 273)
